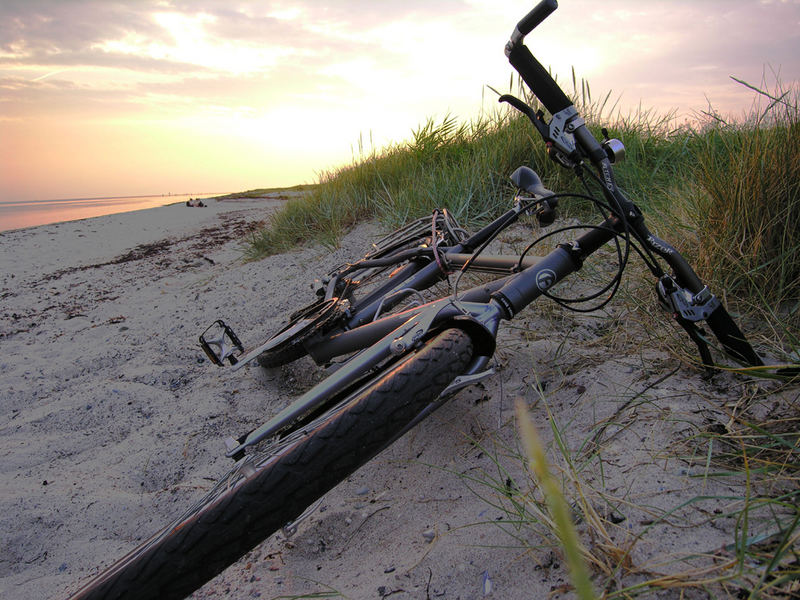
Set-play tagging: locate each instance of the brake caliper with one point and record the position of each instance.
(680, 301)
(688, 309)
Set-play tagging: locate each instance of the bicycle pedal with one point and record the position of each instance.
(220, 343)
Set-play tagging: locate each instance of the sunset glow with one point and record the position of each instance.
(158, 97)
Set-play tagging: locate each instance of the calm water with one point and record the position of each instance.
(15, 215)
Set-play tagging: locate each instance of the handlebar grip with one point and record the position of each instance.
(539, 13)
(538, 79)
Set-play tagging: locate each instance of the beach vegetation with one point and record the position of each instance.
(264, 192)
(733, 185)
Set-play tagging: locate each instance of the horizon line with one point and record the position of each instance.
(168, 195)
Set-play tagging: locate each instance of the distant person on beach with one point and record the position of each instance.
(194, 202)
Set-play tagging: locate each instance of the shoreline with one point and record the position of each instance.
(94, 239)
(24, 215)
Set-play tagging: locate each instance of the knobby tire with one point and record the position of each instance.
(252, 503)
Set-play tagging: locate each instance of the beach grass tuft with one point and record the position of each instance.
(746, 208)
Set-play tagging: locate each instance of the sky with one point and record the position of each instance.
(109, 98)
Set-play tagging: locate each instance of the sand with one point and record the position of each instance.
(113, 421)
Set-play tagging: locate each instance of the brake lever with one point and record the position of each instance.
(689, 309)
(558, 151)
(537, 118)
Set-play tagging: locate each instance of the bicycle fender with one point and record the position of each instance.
(482, 335)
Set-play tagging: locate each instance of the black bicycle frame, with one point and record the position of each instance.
(416, 277)
(478, 310)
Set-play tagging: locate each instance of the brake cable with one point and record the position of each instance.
(435, 245)
(651, 261)
(511, 218)
(622, 262)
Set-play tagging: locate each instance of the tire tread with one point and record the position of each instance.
(224, 530)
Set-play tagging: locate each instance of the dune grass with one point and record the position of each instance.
(463, 167)
(734, 185)
(727, 192)
(747, 205)
(678, 486)
(261, 192)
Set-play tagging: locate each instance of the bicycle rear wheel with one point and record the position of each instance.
(355, 284)
(271, 487)
(308, 321)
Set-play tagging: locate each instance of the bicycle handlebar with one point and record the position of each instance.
(530, 69)
(539, 13)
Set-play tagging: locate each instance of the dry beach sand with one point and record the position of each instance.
(112, 421)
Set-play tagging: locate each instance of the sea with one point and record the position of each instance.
(30, 213)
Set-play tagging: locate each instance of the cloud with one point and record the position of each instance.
(207, 53)
(672, 53)
(72, 32)
(34, 31)
(289, 72)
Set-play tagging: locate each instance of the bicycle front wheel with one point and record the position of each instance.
(271, 487)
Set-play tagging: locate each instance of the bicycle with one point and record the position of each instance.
(407, 359)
